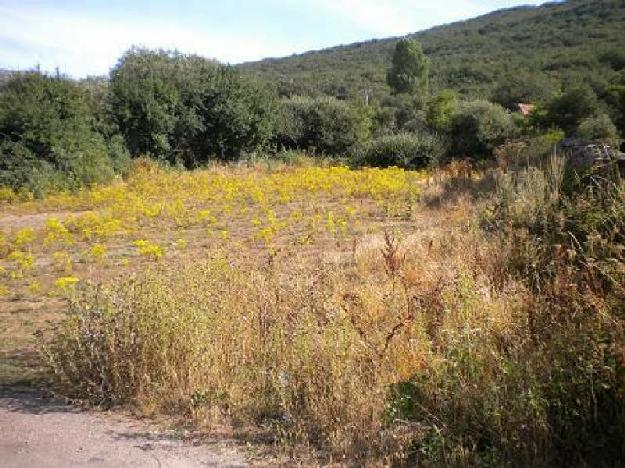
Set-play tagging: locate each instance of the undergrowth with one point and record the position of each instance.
(497, 341)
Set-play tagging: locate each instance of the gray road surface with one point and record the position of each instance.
(38, 432)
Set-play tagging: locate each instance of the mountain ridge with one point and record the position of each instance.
(557, 42)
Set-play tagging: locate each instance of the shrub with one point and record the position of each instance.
(567, 110)
(567, 246)
(47, 139)
(405, 112)
(614, 57)
(441, 109)
(521, 87)
(166, 344)
(119, 154)
(533, 151)
(384, 119)
(479, 127)
(187, 109)
(324, 357)
(585, 220)
(324, 125)
(456, 348)
(598, 128)
(403, 150)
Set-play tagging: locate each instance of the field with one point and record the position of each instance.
(50, 247)
(416, 261)
(297, 220)
(364, 314)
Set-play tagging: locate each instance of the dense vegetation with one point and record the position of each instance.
(285, 296)
(451, 94)
(185, 108)
(493, 337)
(516, 55)
(48, 140)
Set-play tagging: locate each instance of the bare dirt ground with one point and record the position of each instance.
(42, 432)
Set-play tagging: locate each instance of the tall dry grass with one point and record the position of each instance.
(315, 352)
(462, 346)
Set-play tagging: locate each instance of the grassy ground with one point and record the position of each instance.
(49, 247)
(372, 315)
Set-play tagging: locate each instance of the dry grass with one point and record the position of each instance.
(311, 350)
(49, 247)
(397, 334)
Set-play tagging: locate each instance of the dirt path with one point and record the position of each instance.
(33, 220)
(35, 431)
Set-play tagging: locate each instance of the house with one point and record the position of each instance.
(525, 109)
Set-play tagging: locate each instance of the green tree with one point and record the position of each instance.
(567, 110)
(323, 125)
(479, 127)
(440, 110)
(619, 92)
(522, 87)
(184, 108)
(599, 128)
(409, 71)
(236, 116)
(616, 100)
(47, 139)
(147, 92)
(614, 57)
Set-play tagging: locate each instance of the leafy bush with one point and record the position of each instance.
(584, 219)
(614, 57)
(520, 87)
(440, 110)
(405, 150)
(567, 110)
(120, 156)
(530, 151)
(187, 109)
(479, 127)
(47, 139)
(326, 126)
(599, 128)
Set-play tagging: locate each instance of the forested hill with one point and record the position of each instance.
(534, 49)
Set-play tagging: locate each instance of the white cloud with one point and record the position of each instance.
(83, 45)
(80, 43)
(379, 17)
(398, 17)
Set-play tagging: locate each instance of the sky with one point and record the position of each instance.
(87, 37)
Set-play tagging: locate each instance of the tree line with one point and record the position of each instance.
(185, 110)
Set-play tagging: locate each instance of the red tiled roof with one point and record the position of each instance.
(525, 109)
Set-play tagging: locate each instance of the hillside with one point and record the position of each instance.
(536, 48)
